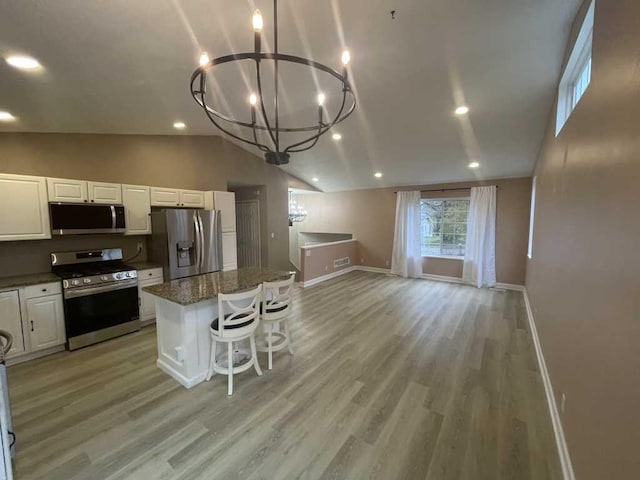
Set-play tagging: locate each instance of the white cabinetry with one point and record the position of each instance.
(173, 197)
(229, 251)
(11, 321)
(24, 211)
(44, 319)
(67, 190)
(146, 278)
(226, 203)
(45, 322)
(110, 193)
(137, 209)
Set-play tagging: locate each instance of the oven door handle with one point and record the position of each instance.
(83, 292)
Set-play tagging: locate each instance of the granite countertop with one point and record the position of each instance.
(190, 290)
(26, 280)
(144, 265)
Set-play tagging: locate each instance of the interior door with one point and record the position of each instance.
(248, 233)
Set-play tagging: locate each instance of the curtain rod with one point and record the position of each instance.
(439, 190)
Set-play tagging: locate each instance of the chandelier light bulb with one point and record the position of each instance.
(253, 99)
(346, 57)
(321, 99)
(257, 21)
(204, 59)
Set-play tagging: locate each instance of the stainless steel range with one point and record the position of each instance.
(100, 295)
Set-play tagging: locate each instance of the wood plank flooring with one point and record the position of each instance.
(391, 379)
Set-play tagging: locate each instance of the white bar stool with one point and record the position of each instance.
(238, 318)
(275, 310)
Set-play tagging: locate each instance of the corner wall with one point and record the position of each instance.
(583, 281)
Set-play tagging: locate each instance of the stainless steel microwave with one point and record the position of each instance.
(86, 218)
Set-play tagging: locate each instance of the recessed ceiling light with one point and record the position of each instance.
(336, 136)
(474, 165)
(377, 174)
(315, 179)
(23, 62)
(6, 117)
(179, 125)
(462, 110)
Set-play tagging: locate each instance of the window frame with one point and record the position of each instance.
(580, 59)
(446, 257)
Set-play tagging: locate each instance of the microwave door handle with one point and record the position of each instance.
(113, 218)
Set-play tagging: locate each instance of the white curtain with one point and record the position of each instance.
(406, 260)
(480, 252)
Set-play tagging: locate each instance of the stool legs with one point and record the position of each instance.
(254, 354)
(286, 331)
(269, 340)
(230, 368)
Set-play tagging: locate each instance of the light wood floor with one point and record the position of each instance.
(392, 378)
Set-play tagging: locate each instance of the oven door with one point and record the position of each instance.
(94, 314)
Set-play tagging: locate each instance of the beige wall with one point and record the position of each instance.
(316, 262)
(203, 163)
(370, 216)
(584, 278)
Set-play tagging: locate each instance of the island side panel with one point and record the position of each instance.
(183, 339)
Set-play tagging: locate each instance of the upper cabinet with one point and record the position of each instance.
(110, 193)
(226, 203)
(137, 209)
(23, 208)
(173, 197)
(66, 190)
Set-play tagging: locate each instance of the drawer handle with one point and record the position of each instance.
(150, 274)
(32, 325)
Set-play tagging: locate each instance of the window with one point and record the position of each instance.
(532, 216)
(577, 74)
(443, 225)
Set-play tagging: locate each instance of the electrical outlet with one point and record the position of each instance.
(308, 254)
(563, 401)
(273, 235)
(140, 246)
(387, 262)
(326, 268)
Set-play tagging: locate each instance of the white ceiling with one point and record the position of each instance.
(123, 66)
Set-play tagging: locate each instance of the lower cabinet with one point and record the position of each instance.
(146, 278)
(11, 320)
(229, 251)
(45, 321)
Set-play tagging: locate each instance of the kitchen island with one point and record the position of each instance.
(185, 309)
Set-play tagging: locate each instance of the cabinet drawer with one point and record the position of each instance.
(152, 273)
(44, 289)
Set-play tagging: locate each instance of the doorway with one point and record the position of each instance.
(248, 231)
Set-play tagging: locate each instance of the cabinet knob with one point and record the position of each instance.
(44, 289)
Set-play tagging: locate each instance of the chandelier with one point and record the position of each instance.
(274, 148)
(296, 212)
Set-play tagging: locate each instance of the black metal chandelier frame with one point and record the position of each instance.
(275, 153)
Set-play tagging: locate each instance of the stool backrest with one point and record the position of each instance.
(276, 295)
(239, 308)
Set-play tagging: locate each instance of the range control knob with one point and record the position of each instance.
(127, 274)
(75, 282)
(104, 278)
(86, 280)
(118, 276)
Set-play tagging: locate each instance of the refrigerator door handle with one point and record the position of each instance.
(202, 243)
(196, 226)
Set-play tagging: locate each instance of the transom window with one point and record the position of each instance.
(443, 226)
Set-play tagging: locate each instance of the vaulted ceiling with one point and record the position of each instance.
(123, 66)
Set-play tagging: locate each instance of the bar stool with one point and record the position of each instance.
(274, 310)
(238, 318)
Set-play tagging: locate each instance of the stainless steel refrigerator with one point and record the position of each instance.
(186, 242)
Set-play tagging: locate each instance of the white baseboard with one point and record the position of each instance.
(561, 444)
(510, 286)
(364, 268)
(33, 355)
(326, 277)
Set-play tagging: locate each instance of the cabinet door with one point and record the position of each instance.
(137, 209)
(65, 190)
(45, 321)
(229, 251)
(226, 203)
(105, 192)
(147, 301)
(191, 198)
(24, 211)
(11, 321)
(165, 197)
